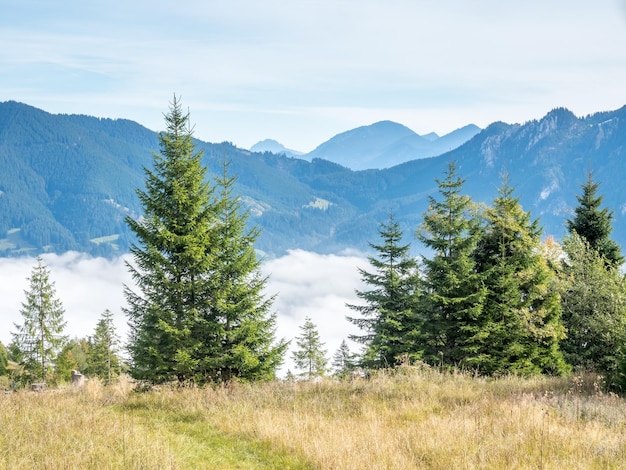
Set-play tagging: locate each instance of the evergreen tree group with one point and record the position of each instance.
(594, 293)
(199, 313)
(491, 297)
(488, 295)
(40, 352)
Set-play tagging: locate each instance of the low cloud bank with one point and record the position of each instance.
(304, 284)
(86, 286)
(317, 286)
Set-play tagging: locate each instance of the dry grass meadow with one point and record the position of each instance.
(412, 418)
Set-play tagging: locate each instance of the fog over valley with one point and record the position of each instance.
(304, 283)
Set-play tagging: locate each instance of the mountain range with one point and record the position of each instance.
(68, 181)
(385, 144)
(380, 145)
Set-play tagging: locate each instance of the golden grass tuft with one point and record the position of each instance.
(73, 429)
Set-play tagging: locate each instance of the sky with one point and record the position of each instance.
(301, 72)
(299, 281)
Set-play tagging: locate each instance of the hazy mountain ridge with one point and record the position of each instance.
(271, 145)
(385, 144)
(67, 182)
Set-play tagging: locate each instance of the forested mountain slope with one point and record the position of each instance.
(68, 181)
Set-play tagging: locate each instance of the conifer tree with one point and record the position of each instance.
(388, 316)
(453, 292)
(102, 358)
(520, 327)
(171, 258)
(182, 263)
(39, 339)
(595, 224)
(344, 361)
(310, 357)
(594, 311)
(239, 320)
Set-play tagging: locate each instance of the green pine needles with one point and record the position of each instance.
(486, 298)
(454, 292)
(199, 314)
(388, 314)
(594, 224)
(520, 323)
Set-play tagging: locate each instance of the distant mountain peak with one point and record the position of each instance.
(386, 127)
(268, 145)
(561, 115)
(273, 146)
(387, 143)
(387, 124)
(431, 136)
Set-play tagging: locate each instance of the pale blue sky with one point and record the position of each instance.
(303, 71)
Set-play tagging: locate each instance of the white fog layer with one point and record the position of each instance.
(304, 284)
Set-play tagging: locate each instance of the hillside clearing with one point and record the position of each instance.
(412, 418)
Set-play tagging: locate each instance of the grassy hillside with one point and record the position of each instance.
(413, 418)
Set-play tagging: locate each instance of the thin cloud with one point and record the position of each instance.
(276, 65)
(316, 286)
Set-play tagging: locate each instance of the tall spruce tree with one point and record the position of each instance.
(39, 339)
(453, 293)
(172, 257)
(595, 224)
(520, 326)
(240, 320)
(594, 311)
(310, 355)
(181, 262)
(388, 316)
